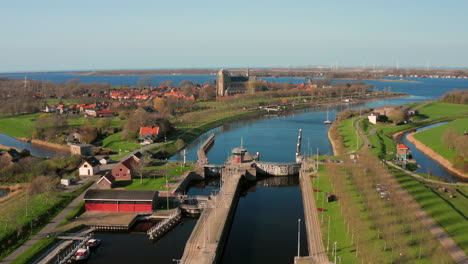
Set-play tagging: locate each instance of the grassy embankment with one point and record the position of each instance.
(450, 213)
(339, 231)
(351, 139)
(158, 181)
(379, 232)
(17, 227)
(433, 138)
(431, 113)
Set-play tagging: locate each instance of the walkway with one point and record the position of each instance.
(317, 252)
(206, 242)
(453, 249)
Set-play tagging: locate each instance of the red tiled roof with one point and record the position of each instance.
(402, 146)
(149, 130)
(105, 111)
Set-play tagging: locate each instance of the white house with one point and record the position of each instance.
(373, 118)
(90, 167)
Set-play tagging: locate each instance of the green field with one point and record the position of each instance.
(438, 110)
(338, 226)
(350, 138)
(157, 182)
(116, 143)
(20, 126)
(452, 221)
(23, 126)
(433, 137)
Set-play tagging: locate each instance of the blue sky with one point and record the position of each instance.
(147, 34)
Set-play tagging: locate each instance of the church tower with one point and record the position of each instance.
(222, 82)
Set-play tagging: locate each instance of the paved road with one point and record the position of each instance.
(454, 250)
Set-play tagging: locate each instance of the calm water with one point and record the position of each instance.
(427, 164)
(36, 150)
(115, 80)
(137, 248)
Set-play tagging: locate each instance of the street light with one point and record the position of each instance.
(177, 260)
(299, 237)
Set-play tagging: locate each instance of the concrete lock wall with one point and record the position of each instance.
(202, 159)
(278, 169)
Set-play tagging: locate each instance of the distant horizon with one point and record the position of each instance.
(401, 67)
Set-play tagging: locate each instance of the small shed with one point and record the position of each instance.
(65, 182)
(90, 167)
(120, 200)
(403, 152)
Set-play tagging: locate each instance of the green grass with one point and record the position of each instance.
(433, 137)
(348, 132)
(338, 226)
(33, 252)
(16, 226)
(454, 223)
(80, 209)
(116, 143)
(20, 126)
(157, 182)
(439, 110)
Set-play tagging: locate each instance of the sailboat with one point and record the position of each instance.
(327, 122)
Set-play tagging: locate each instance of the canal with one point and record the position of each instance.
(425, 163)
(36, 150)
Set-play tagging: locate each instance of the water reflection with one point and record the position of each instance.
(36, 150)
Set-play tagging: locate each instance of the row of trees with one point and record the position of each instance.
(389, 229)
(456, 97)
(459, 143)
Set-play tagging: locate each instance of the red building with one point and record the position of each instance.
(123, 170)
(403, 152)
(120, 200)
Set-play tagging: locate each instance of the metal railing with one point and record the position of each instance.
(164, 225)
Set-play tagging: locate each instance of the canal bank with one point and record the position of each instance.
(428, 152)
(37, 148)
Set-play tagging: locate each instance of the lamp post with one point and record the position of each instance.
(167, 189)
(328, 233)
(299, 237)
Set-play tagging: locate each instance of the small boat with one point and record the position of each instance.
(93, 243)
(82, 254)
(327, 122)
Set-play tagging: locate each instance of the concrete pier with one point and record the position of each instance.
(317, 252)
(207, 240)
